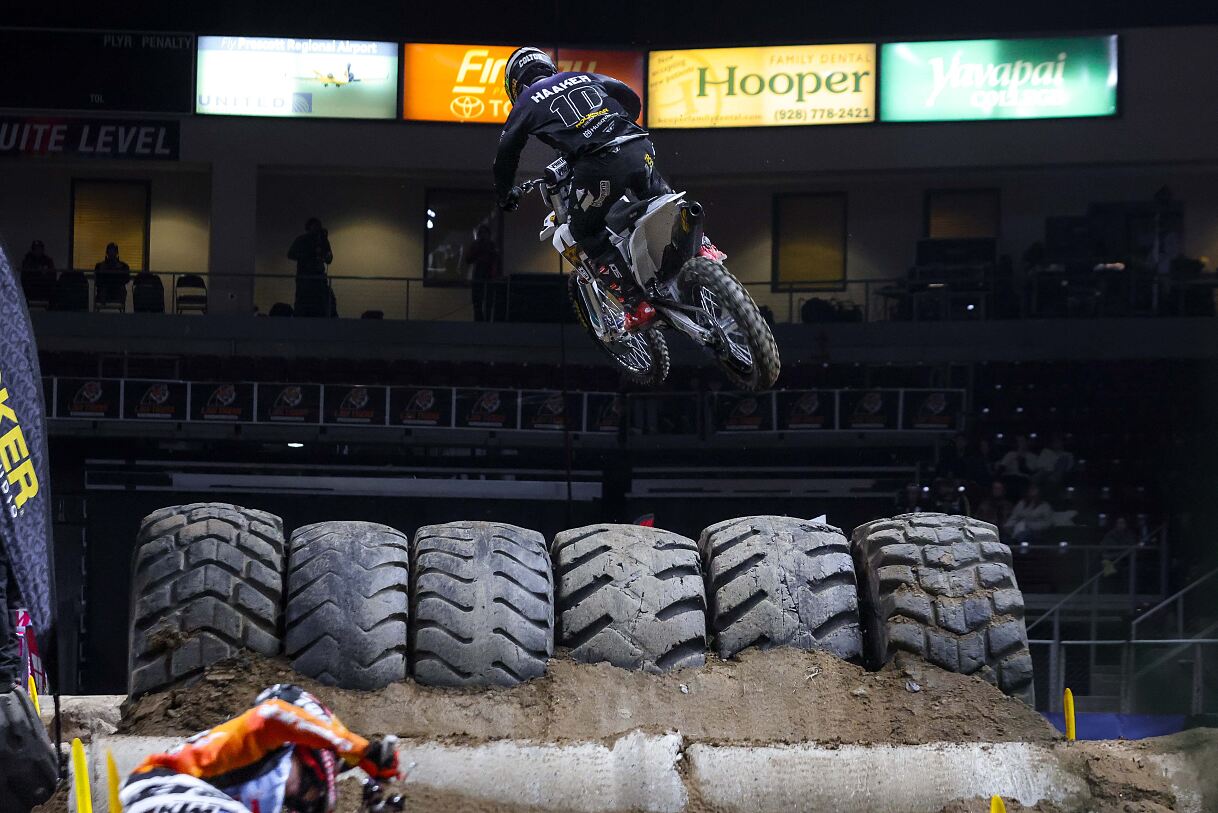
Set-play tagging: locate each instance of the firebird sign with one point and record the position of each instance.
(464, 83)
(762, 87)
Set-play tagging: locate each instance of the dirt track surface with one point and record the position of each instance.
(781, 695)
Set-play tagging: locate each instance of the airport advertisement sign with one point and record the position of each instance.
(762, 87)
(304, 78)
(96, 71)
(999, 79)
(464, 83)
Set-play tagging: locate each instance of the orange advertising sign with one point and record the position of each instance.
(464, 83)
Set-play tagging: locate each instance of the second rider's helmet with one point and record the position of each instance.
(524, 67)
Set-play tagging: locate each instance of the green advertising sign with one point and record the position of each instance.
(968, 80)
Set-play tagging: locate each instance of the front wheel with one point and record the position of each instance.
(642, 355)
(743, 343)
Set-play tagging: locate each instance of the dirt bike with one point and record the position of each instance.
(682, 275)
(378, 799)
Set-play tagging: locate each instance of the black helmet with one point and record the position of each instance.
(524, 67)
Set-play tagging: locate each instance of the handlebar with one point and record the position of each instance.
(529, 186)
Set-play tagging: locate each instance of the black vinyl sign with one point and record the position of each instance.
(807, 410)
(129, 139)
(97, 71)
(289, 403)
(222, 402)
(487, 409)
(154, 400)
(743, 412)
(364, 406)
(869, 409)
(606, 412)
(932, 409)
(95, 398)
(551, 411)
(421, 406)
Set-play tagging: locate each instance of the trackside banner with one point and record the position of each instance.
(25, 499)
(999, 79)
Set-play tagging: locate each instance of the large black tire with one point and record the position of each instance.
(651, 344)
(207, 582)
(942, 587)
(761, 370)
(781, 581)
(632, 596)
(28, 770)
(482, 610)
(348, 601)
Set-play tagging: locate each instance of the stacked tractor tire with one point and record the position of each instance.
(359, 605)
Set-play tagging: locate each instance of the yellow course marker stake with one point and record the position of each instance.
(997, 805)
(112, 783)
(1070, 715)
(34, 695)
(80, 778)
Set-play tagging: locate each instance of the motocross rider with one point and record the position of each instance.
(590, 120)
(281, 756)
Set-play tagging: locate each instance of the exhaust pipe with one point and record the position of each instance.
(686, 238)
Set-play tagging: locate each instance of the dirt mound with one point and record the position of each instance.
(780, 695)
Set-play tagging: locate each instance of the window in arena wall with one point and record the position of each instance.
(809, 242)
(110, 212)
(953, 214)
(452, 220)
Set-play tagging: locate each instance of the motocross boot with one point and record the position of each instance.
(612, 267)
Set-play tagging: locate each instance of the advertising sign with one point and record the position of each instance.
(487, 409)
(357, 405)
(222, 402)
(869, 409)
(421, 406)
(932, 409)
(94, 398)
(129, 139)
(550, 411)
(289, 403)
(999, 79)
(96, 71)
(801, 411)
(762, 87)
(606, 412)
(154, 400)
(744, 412)
(464, 83)
(272, 76)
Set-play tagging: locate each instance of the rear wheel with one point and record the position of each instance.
(744, 345)
(642, 356)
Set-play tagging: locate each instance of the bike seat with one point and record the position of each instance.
(623, 214)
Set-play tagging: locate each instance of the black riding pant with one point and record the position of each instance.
(603, 177)
(10, 661)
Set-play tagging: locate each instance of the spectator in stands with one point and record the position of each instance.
(949, 497)
(312, 254)
(995, 508)
(110, 276)
(483, 260)
(1030, 517)
(1053, 464)
(37, 259)
(965, 460)
(38, 274)
(1120, 535)
(913, 499)
(1020, 462)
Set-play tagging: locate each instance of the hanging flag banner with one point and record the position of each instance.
(606, 412)
(25, 479)
(743, 412)
(932, 409)
(801, 411)
(551, 411)
(869, 409)
(773, 86)
(289, 403)
(964, 80)
(421, 406)
(364, 406)
(487, 409)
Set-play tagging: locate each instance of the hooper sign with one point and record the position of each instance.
(464, 83)
(762, 87)
(999, 79)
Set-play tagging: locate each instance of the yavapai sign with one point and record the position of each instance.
(998, 79)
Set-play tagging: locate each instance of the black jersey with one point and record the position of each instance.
(575, 113)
